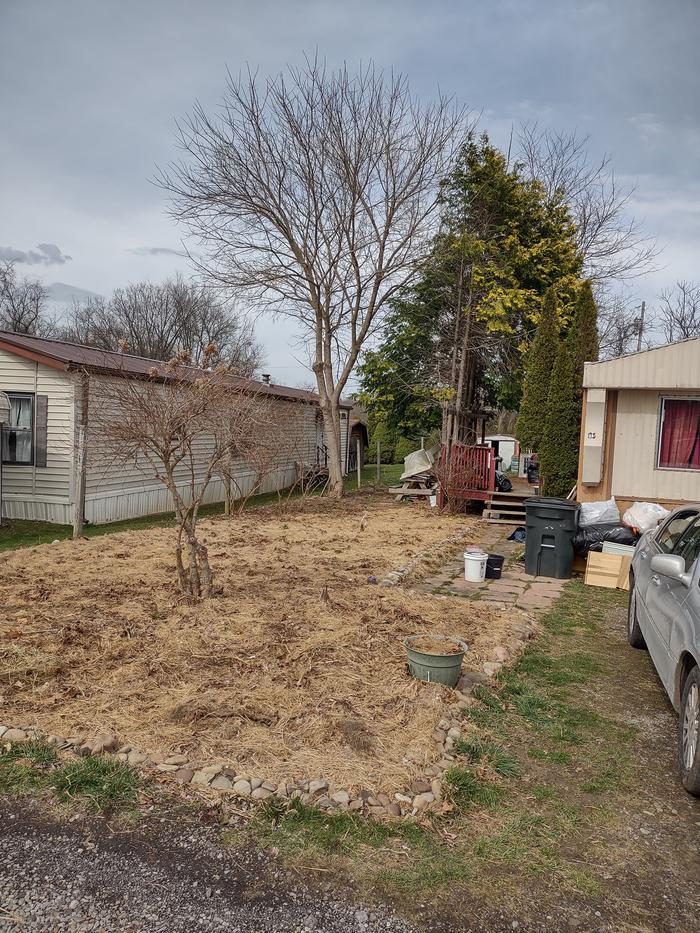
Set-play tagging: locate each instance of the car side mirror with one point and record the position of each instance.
(672, 566)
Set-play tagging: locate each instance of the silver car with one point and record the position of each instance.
(664, 618)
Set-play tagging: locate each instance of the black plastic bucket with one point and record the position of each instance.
(494, 566)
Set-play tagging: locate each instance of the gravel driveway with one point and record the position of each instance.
(162, 875)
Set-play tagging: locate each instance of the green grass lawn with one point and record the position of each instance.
(35, 768)
(14, 534)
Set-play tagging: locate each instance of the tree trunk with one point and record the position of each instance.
(205, 575)
(182, 580)
(459, 393)
(331, 433)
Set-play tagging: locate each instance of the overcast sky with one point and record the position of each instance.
(90, 89)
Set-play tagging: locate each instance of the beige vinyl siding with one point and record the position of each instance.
(41, 493)
(635, 474)
(118, 488)
(673, 367)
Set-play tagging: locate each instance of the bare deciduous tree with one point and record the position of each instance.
(185, 426)
(679, 311)
(159, 320)
(612, 243)
(619, 322)
(314, 195)
(22, 303)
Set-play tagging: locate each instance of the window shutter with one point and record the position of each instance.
(42, 411)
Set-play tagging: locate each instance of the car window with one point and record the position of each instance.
(672, 530)
(688, 545)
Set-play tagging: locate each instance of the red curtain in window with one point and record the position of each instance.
(680, 435)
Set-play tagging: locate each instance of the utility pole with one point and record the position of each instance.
(641, 326)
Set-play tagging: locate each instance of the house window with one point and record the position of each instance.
(679, 437)
(18, 432)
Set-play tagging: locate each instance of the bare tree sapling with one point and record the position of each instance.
(185, 426)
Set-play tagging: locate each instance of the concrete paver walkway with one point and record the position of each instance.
(514, 588)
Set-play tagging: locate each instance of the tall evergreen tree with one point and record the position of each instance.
(559, 446)
(583, 335)
(453, 342)
(531, 423)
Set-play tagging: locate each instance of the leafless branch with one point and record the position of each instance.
(23, 303)
(612, 243)
(314, 195)
(679, 311)
(159, 320)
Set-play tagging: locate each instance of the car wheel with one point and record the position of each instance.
(634, 633)
(689, 733)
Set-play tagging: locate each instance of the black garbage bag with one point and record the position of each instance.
(503, 484)
(519, 535)
(591, 537)
(533, 474)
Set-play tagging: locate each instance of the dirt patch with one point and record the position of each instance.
(297, 669)
(437, 646)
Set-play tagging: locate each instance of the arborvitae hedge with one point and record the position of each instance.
(559, 447)
(530, 426)
(583, 335)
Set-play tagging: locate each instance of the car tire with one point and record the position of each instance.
(689, 733)
(634, 633)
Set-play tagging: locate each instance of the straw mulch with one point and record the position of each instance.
(296, 670)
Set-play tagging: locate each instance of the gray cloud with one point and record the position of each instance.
(157, 251)
(63, 293)
(46, 254)
(91, 114)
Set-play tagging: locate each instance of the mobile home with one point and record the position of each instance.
(640, 430)
(44, 380)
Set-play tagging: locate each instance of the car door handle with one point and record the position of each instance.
(643, 554)
(656, 580)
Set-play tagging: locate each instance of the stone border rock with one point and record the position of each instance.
(423, 792)
(426, 557)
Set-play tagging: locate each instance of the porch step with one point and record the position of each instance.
(501, 518)
(506, 506)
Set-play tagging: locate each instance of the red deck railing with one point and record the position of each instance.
(471, 473)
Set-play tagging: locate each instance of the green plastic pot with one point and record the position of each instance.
(435, 668)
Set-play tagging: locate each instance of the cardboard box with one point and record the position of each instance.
(608, 570)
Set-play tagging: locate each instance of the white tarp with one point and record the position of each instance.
(420, 461)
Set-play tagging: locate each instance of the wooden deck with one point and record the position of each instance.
(470, 474)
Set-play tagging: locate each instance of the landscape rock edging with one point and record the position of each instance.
(423, 792)
(427, 556)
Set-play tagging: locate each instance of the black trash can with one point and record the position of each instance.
(494, 566)
(551, 526)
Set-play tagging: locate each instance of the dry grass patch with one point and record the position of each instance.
(296, 669)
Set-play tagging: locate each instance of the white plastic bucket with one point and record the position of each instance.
(433, 501)
(475, 566)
